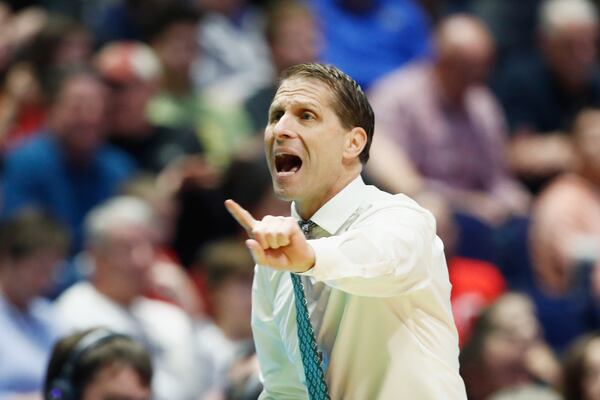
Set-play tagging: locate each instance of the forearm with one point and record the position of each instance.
(378, 261)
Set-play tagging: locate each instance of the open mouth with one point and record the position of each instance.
(287, 164)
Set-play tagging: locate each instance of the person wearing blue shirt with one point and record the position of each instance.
(31, 245)
(369, 38)
(68, 169)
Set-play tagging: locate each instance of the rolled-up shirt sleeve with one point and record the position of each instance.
(387, 252)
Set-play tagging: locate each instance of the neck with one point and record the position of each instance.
(112, 290)
(451, 93)
(75, 156)
(306, 208)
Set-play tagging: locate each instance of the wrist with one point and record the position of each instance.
(310, 262)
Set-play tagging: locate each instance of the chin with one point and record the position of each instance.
(284, 193)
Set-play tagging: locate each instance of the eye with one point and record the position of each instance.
(307, 116)
(276, 116)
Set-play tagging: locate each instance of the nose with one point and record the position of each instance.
(284, 128)
(142, 255)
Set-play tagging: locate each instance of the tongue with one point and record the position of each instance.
(293, 169)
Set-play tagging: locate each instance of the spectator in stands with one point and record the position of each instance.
(56, 43)
(222, 131)
(449, 124)
(221, 128)
(172, 35)
(543, 92)
(506, 350)
(62, 42)
(134, 72)
(121, 239)
(168, 280)
(31, 247)
(98, 364)
(581, 369)
(563, 240)
(370, 38)
(439, 128)
(228, 270)
(567, 213)
(513, 25)
(68, 169)
(294, 38)
(22, 106)
(234, 58)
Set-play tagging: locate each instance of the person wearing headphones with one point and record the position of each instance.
(98, 364)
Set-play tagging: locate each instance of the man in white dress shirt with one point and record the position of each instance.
(375, 281)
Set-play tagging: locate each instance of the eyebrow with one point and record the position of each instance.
(277, 106)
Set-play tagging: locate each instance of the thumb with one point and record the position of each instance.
(258, 253)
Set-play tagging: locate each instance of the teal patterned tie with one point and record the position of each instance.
(311, 358)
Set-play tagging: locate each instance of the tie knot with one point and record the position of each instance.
(306, 226)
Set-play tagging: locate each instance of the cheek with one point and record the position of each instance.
(268, 138)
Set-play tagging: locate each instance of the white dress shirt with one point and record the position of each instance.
(379, 301)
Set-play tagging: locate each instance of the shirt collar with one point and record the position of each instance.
(332, 215)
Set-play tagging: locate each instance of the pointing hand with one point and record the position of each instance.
(276, 242)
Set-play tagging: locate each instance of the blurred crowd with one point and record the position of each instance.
(125, 124)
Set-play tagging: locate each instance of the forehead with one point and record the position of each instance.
(80, 85)
(306, 91)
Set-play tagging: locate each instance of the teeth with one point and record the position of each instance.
(287, 164)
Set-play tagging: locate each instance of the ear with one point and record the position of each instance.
(356, 140)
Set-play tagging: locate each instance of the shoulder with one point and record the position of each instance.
(482, 101)
(39, 149)
(160, 313)
(396, 208)
(380, 197)
(77, 296)
(79, 307)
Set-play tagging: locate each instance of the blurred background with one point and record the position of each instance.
(124, 124)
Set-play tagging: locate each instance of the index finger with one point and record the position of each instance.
(243, 217)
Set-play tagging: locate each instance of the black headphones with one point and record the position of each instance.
(61, 387)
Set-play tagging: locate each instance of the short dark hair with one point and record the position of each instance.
(350, 102)
(109, 350)
(163, 16)
(42, 49)
(28, 231)
(58, 79)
